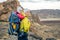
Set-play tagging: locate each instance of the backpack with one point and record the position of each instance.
(14, 23)
(13, 17)
(25, 24)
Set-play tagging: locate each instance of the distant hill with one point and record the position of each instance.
(47, 13)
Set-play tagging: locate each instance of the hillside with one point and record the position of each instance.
(47, 13)
(49, 27)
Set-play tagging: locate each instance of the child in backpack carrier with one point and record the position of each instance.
(14, 23)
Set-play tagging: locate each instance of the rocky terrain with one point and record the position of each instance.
(6, 8)
(39, 29)
(46, 29)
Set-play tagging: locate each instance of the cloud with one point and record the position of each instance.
(52, 0)
(24, 0)
(2, 0)
(29, 0)
(41, 5)
(38, 0)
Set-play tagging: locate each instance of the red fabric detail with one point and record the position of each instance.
(20, 15)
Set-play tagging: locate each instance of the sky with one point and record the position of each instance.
(38, 0)
(39, 4)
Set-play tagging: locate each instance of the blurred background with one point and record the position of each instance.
(44, 16)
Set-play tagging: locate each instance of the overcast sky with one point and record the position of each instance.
(38, 0)
(39, 4)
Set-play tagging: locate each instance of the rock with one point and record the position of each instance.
(6, 8)
(50, 39)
